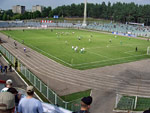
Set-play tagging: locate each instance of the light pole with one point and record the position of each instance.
(85, 13)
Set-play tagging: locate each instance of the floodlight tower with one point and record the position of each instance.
(85, 13)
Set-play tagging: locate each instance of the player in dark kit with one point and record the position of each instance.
(136, 49)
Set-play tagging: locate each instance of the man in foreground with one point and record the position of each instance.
(85, 105)
(29, 104)
(7, 102)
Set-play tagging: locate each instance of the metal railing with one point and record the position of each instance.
(39, 85)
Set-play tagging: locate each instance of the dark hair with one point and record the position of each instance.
(30, 93)
(12, 90)
(87, 100)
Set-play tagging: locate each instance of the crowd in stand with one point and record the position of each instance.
(137, 30)
(11, 101)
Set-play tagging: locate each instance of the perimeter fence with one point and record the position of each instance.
(39, 85)
(132, 103)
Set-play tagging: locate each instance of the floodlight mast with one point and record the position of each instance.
(85, 13)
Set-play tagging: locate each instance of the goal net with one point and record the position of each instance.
(136, 24)
(148, 50)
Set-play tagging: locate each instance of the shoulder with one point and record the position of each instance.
(36, 100)
(4, 89)
(22, 100)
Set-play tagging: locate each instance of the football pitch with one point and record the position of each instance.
(100, 49)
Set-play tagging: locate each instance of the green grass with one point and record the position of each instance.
(98, 53)
(75, 96)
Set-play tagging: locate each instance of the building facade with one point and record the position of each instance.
(37, 8)
(18, 9)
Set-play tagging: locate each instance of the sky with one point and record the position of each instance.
(7, 4)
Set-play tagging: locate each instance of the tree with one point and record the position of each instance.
(46, 12)
(36, 14)
(5, 16)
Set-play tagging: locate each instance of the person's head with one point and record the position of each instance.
(30, 90)
(9, 83)
(86, 102)
(13, 91)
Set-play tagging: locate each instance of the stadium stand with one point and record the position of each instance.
(143, 31)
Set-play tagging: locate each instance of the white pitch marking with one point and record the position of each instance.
(108, 60)
(99, 54)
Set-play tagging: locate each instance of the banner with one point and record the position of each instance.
(46, 21)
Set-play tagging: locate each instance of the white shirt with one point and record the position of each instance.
(4, 89)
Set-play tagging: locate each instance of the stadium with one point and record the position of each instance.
(66, 60)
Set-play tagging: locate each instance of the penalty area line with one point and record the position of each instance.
(98, 54)
(107, 60)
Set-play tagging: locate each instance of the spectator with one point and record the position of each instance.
(10, 68)
(8, 85)
(5, 69)
(17, 96)
(147, 111)
(7, 102)
(1, 68)
(85, 105)
(16, 65)
(29, 104)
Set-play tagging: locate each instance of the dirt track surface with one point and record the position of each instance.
(105, 82)
(17, 82)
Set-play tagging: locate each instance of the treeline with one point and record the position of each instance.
(120, 12)
(9, 15)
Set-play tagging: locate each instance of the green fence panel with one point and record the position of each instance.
(19, 66)
(6, 53)
(142, 103)
(74, 105)
(126, 103)
(12, 60)
(23, 70)
(37, 83)
(51, 96)
(31, 78)
(27, 74)
(44, 89)
(9, 57)
(60, 102)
